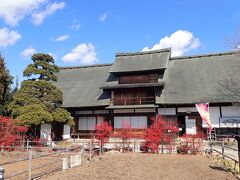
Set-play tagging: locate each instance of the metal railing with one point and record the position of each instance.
(226, 152)
(40, 161)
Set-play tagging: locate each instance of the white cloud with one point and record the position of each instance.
(28, 52)
(76, 25)
(12, 11)
(61, 38)
(180, 41)
(81, 54)
(38, 17)
(8, 38)
(103, 17)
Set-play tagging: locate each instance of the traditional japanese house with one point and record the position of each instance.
(140, 85)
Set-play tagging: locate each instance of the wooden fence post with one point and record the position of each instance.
(134, 146)
(27, 144)
(83, 158)
(223, 149)
(30, 165)
(100, 148)
(210, 146)
(90, 151)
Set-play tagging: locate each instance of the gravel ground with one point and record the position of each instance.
(146, 166)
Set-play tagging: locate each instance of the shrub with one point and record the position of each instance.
(103, 132)
(11, 134)
(160, 132)
(191, 144)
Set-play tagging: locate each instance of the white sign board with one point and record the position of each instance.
(190, 126)
(230, 121)
(66, 131)
(46, 132)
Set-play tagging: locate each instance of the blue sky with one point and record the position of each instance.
(88, 32)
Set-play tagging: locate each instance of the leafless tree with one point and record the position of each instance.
(233, 42)
(230, 87)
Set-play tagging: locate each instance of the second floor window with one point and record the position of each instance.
(138, 78)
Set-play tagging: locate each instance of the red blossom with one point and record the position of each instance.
(160, 132)
(103, 132)
(10, 133)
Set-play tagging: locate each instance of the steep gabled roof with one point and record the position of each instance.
(80, 85)
(194, 79)
(187, 80)
(141, 61)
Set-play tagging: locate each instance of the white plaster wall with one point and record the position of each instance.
(45, 133)
(214, 117)
(66, 131)
(167, 111)
(230, 111)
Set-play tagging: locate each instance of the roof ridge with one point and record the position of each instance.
(205, 55)
(86, 66)
(143, 52)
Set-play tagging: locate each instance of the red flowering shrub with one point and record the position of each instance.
(160, 132)
(103, 132)
(125, 133)
(10, 133)
(191, 143)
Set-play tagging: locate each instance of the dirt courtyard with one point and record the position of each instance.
(146, 166)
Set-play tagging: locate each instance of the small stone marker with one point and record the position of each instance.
(2, 170)
(73, 161)
(65, 164)
(78, 160)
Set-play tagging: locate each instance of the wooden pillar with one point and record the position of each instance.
(112, 98)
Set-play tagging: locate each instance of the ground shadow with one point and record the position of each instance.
(218, 168)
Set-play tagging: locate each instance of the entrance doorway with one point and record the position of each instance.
(57, 131)
(182, 125)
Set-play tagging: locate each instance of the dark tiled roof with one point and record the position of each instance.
(80, 85)
(194, 79)
(141, 61)
(187, 79)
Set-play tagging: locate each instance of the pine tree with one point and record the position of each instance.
(5, 87)
(38, 100)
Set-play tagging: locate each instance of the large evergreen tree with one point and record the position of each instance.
(5, 87)
(38, 100)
